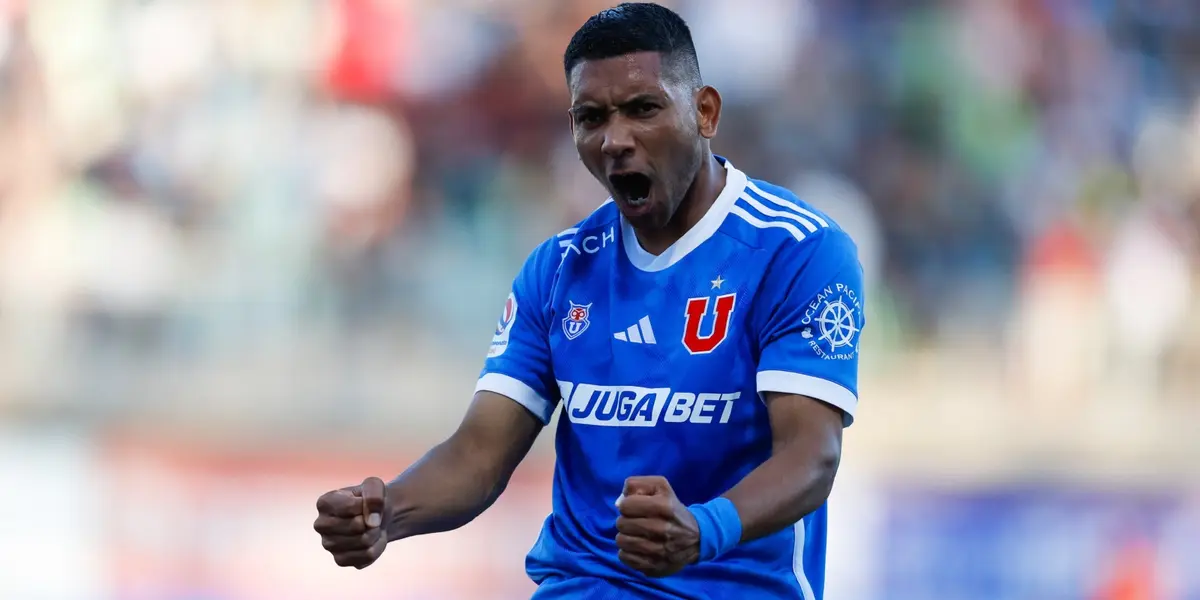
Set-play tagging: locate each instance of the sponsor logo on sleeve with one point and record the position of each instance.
(832, 322)
(504, 328)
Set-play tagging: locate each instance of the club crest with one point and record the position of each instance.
(576, 322)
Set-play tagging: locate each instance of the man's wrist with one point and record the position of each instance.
(393, 525)
(720, 527)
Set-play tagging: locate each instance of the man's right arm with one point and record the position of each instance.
(454, 482)
(514, 398)
(461, 477)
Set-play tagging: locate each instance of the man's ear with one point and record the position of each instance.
(708, 111)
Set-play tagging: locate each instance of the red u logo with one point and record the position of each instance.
(697, 308)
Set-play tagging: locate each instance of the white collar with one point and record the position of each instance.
(735, 184)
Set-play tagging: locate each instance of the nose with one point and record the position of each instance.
(618, 140)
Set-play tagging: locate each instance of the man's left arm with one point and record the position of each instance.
(806, 449)
(810, 319)
(657, 535)
(808, 377)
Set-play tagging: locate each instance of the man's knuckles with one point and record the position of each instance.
(651, 529)
(330, 525)
(646, 485)
(641, 546)
(339, 503)
(645, 506)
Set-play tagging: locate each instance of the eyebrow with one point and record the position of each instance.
(638, 99)
(641, 98)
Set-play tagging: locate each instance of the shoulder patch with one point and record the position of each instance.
(504, 327)
(833, 321)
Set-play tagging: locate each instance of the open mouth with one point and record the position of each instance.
(634, 188)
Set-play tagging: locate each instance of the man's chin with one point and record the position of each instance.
(646, 219)
(651, 214)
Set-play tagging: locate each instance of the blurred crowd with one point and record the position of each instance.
(245, 245)
(246, 183)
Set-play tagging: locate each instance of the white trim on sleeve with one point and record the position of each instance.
(814, 387)
(518, 392)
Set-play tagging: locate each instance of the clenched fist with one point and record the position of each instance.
(353, 523)
(656, 534)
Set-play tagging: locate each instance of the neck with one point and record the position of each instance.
(705, 188)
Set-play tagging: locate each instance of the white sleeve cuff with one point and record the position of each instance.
(518, 392)
(814, 387)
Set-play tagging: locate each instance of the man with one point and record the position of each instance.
(701, 330)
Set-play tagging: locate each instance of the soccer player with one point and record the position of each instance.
(700, 333)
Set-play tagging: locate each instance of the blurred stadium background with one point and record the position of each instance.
(251, 250)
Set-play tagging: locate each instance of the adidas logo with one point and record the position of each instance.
(638, 333)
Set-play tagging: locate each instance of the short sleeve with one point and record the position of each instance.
(813, 300)
(518, 361)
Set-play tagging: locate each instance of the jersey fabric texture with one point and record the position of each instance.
(657, 364)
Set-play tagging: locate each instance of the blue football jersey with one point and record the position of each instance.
(658, 363)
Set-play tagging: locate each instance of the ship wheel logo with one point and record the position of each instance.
(837, 324)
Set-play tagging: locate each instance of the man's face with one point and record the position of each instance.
(639, 133)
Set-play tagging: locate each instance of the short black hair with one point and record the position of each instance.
(634, 27)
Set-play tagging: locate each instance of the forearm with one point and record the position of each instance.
(782, 490)
(445, 490)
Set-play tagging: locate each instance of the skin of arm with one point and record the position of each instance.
(461, 477)
(806, 439)
(658, 536)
